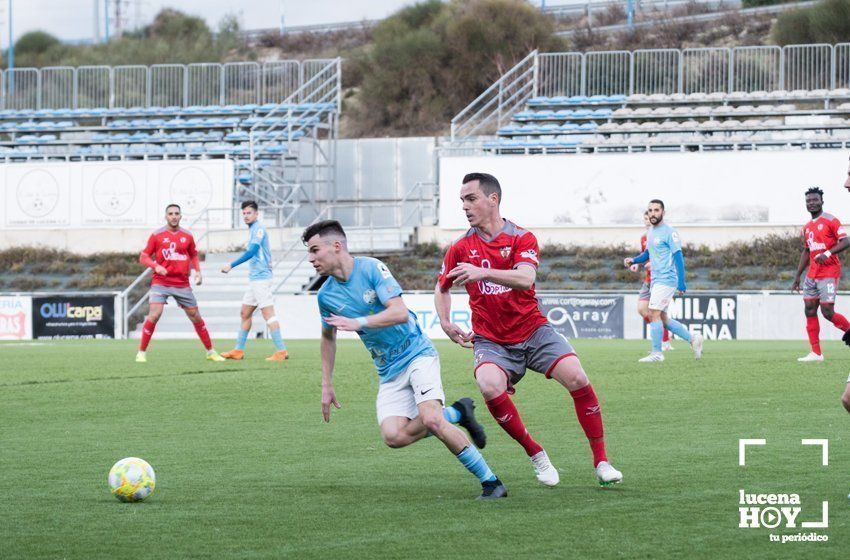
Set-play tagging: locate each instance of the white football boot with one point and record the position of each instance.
(141, 357)
(696, 344)
(608, 475)
(811, 357)
(652, 357)
(546, 472)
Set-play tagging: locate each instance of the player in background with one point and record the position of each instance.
(496, 261)
(259, 292)
(664, 253)
(823, 238)
(171, 253)
(643, 294)
(361, 295)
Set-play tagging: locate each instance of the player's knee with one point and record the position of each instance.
(394, 439)
(490, 386)
(827, 312)
(433, 423)
(153, 317)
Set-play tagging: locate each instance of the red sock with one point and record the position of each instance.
(666, 337)
(203, 334)
(590, 417)
(147, 333)
(813, 330)
(503, 410)
(840, 321)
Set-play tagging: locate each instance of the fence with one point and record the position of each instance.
(703, 70)
(159, 85)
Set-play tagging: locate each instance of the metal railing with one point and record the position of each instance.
(499, 102)
(654, 71)
(159, 85)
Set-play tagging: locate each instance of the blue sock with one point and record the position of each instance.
(451, 414)
(656, 332)
(278, 340)
(241, 339)
(678, 329)
(471, 458)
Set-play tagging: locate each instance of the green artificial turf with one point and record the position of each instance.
(247, 469)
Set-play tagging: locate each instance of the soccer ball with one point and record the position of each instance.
(132, 479)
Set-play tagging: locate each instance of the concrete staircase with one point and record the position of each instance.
(220, 295)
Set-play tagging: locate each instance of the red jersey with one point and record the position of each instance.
(175, 250)
(499, 313)
(818, 236)
(645, 266)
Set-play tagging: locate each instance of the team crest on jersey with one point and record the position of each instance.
(385, 272)
(473, 253)
(182, 240)
(505, 252)
(820, 227)
(369, 297)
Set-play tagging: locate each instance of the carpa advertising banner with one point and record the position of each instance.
(73, 317)
(584, 316)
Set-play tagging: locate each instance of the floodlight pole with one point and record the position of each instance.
(630, 12)
(106, 17)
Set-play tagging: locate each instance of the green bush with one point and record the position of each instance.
(828, 21)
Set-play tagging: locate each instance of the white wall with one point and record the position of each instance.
(112, 195)
(717, 189)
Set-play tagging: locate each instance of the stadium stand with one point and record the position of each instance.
(796, 96)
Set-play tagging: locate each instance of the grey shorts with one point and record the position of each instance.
(643, 294)
(820, 288)
(541, 353)
(183, 296)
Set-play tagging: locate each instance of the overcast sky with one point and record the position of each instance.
(74, 19)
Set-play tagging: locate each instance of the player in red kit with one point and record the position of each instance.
(643, 294)
(496, 261)
(171, 253)
(823, 238)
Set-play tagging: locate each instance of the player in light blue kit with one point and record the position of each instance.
(259, 293)
(664, 252)
(361, 295)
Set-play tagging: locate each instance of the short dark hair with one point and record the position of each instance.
(815, 190)
(173, 206)
(487, 182)
(321, 229)
(657, 201)
(250, 204)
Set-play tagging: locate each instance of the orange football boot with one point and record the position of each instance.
(233, 354)
(278, 356)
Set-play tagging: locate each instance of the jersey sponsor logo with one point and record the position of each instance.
(530, 254)
(170, 253)
(385, 272)
(814, 245)
(369, 297)
(505, 252)
(488, 288)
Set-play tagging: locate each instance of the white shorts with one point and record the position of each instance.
(259, 294)
(420, 382)
(660, 296)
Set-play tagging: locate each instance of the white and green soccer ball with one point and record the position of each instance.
(132, 479)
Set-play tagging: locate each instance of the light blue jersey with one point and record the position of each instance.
(663, 242)
(261, 263)
(367, 291)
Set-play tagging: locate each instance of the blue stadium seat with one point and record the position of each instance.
(544, 115)
(237, 135)
(568, 127)
(601, 113)
(537, 101)
(577, 99)
(548, 129)
(616, 99)
(27, 139)
(588, 126)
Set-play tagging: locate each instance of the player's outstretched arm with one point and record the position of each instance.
(443, 304)
(249, 254)
(328, 352)
(638, 259)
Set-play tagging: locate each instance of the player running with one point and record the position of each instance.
(171, 253)
(664, 253)
(643, 294)
(496, 261)
(823, 238)
(361, 295)
(259, 293)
